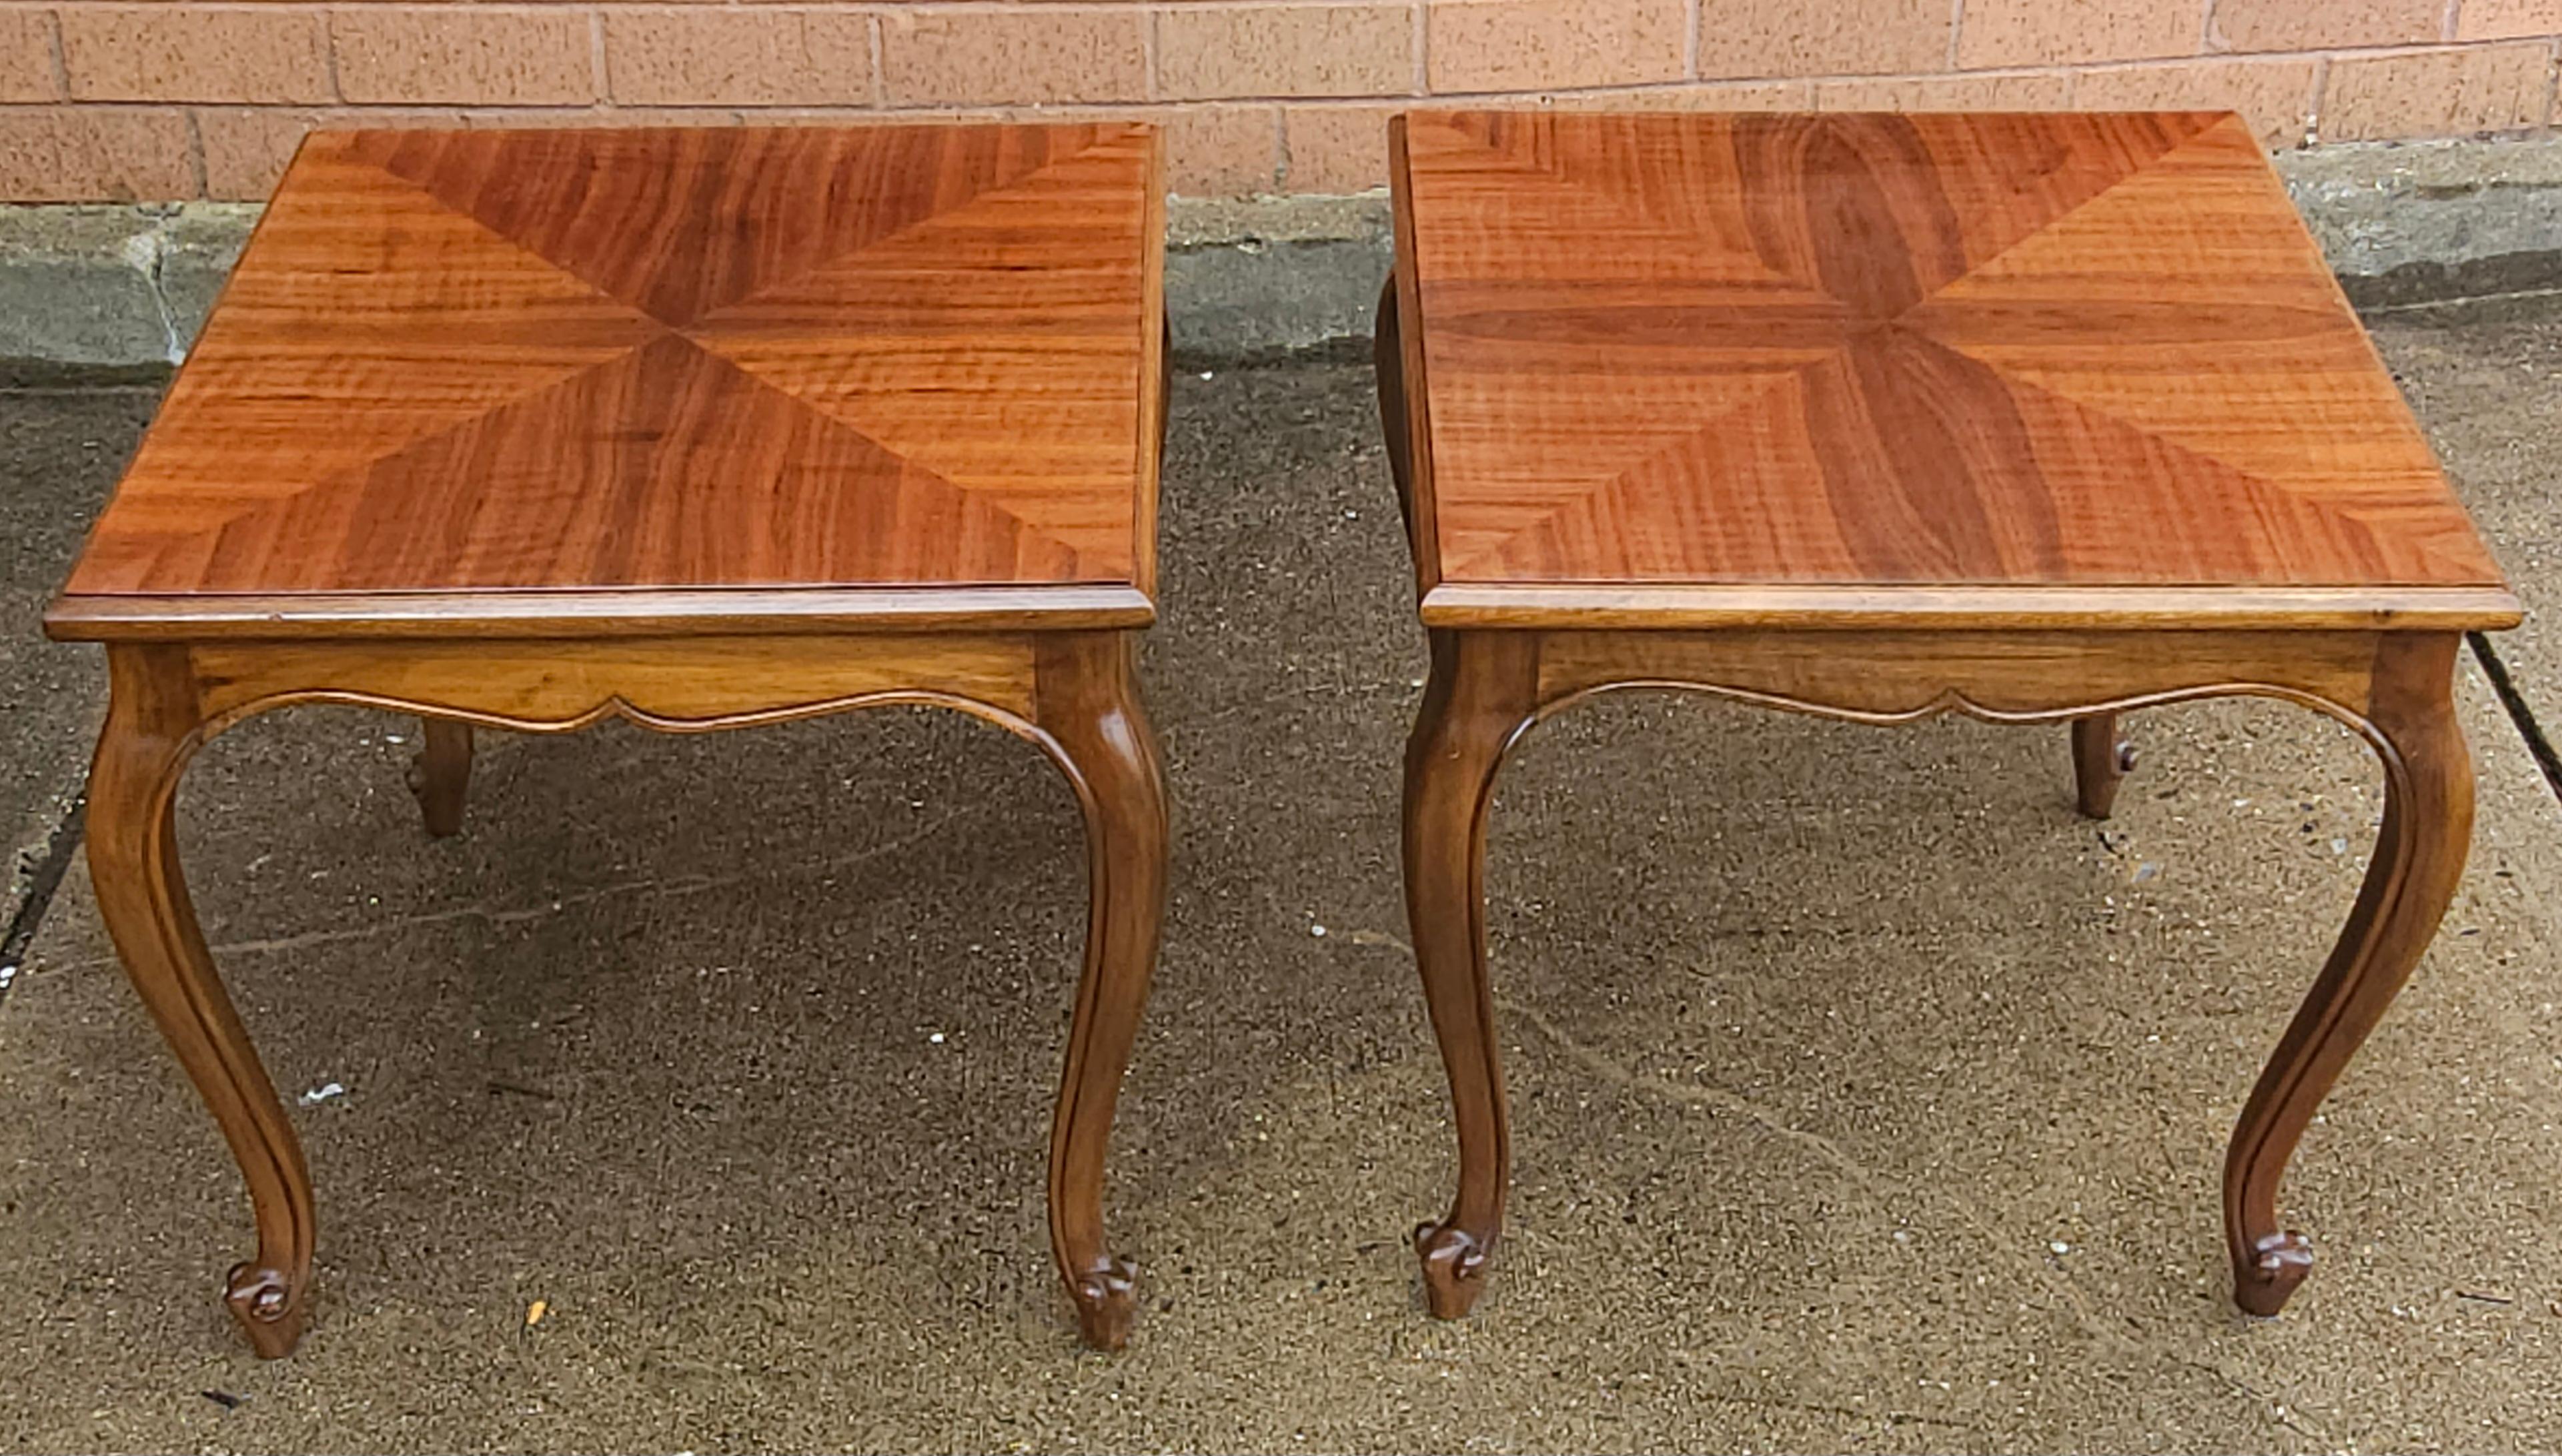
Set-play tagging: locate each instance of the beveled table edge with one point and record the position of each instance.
(1568, 605)
(601, 613)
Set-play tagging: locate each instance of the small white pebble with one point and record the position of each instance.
(2061, 1247)
(936, 1038)
(1316, 930)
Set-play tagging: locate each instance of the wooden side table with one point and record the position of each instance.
(2032, 418)
(699, 427)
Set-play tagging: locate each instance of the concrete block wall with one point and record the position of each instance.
(163, 100)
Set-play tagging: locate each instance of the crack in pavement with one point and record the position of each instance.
(42, 883)
(2097, 1330)
(1817, 1407)
(2520, 715)
(496, 916)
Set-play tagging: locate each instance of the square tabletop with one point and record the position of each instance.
(658, 379)
(2029, 369)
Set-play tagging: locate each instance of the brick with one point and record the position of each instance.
(2312, 25)
(1763, 38)
(462, 54)
(1035, 55)
(2503, 20)
(1715, 95)
(1286, 51)
(518, 119)
(1336, 151)
(2052, 31)
(95, 153)
(246, 147)
(194, 53)
(27, 56)
(2441, 93)
(682, 56)
(2274, 96)
(1222, 151)
(2042, 91)
(1538, 45)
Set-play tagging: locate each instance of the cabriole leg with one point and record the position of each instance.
(152, 725)
(2428, 827)
(1483, 690)
(2099, 759)
(1087, 702)
(440, 774)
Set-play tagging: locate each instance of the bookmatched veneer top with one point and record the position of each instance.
(2084, 369)
(627, 380)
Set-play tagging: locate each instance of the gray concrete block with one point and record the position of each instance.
(75, 286)
(1252, 299)
(198, 246)
(2409, 222)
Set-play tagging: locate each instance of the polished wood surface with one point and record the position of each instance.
(649, 366)
(1670, 363)
(2032, 418)
(700, 429)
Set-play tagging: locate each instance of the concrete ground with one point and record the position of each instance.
(1865, 1096)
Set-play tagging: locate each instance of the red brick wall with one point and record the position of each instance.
(175, 98)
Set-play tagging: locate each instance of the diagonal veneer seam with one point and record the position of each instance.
(1037, 175)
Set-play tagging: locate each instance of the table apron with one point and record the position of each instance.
(675, 683)
(2011, 677)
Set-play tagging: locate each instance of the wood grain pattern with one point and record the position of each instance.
(665, 360)
(701, 429)
(2033, 419)
(1983, 351)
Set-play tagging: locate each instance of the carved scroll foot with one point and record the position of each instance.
(1483, 692)
(440, 774)
(1087, 702)
(1454, 1269)
(269, 1307)
(2419, 858)
(152, 726)
(1107, 1304)
(2099, 759)
(2279, 1262)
